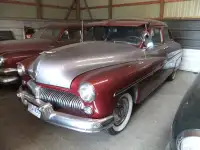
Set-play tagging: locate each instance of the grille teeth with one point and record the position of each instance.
(58, 98)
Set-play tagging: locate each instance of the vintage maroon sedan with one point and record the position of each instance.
(93, 86)
(47, 38)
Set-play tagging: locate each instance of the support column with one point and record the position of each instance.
(39, 9)
(110, 9)
(162, 7)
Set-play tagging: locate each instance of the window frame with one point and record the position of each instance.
(169, 37)
(161, 35)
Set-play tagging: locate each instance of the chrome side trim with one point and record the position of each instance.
(8, 71)
(136, 82)
(9, 79)
(76, 123)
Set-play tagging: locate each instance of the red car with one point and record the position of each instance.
(93, 86)
(47, 38)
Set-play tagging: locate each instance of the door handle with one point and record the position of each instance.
(166, 47)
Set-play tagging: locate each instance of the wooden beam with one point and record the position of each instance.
(110, 9)
(39, 9)
(70, 9)
(15, 2)
(78, 10)
(132, 4)
(89, 12)
(162, 7)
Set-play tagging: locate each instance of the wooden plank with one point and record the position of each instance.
(110, 9)
(132, 4)
(39, 9)
(78, 10)
(70, 9)
(162, 7)
(86, 5)
(32, 4)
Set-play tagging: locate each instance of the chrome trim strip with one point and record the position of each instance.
(10, 79)
(65, 120)
(8, 71)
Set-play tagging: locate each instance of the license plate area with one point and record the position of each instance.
(34, 110)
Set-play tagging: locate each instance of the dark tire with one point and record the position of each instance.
(172, 76)
(122, 114)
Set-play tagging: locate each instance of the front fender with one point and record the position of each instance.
(109, 80)
(11, 58)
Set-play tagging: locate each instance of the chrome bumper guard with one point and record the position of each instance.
(8, 71)
(8, 75)
(8, 79)
(65, 120)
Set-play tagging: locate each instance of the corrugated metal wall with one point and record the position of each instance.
(52, 9)
(99, 11)
(142, 8)
(184, 9)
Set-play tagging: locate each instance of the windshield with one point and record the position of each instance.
(47, 33)
(132, 35)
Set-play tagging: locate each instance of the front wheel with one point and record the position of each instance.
(122, 114)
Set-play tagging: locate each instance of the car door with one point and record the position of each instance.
(159, 54)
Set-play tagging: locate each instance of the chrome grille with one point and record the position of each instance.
(58, 98)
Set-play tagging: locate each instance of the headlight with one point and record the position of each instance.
(87, 92)
(189, 143)
(188, 140)
(2, 60)
(21, 69)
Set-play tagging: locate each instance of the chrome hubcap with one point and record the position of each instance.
(121, 111)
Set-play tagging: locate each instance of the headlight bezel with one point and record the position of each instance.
(190, 133)
(87, 86)
(21, 69)
(2, 60)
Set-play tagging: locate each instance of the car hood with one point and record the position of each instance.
(188, 114)
(60, 66)
(27, 44)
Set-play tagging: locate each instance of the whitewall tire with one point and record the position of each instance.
(172, 76)
(122, 113)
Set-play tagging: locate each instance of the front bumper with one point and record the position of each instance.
(8, 75)
(65, 120)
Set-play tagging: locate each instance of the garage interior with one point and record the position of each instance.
(149, 128)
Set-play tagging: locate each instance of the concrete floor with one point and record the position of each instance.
(148, 129)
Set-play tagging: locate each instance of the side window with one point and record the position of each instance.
(71, 34)
(156, 36)
(166, 34)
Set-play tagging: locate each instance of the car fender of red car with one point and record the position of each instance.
(110, 82)
(11, 58)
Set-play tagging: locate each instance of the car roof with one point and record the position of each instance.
(122, 22)
(129, 22)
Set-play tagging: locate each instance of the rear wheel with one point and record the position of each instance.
(172, 76)
(122, 114)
